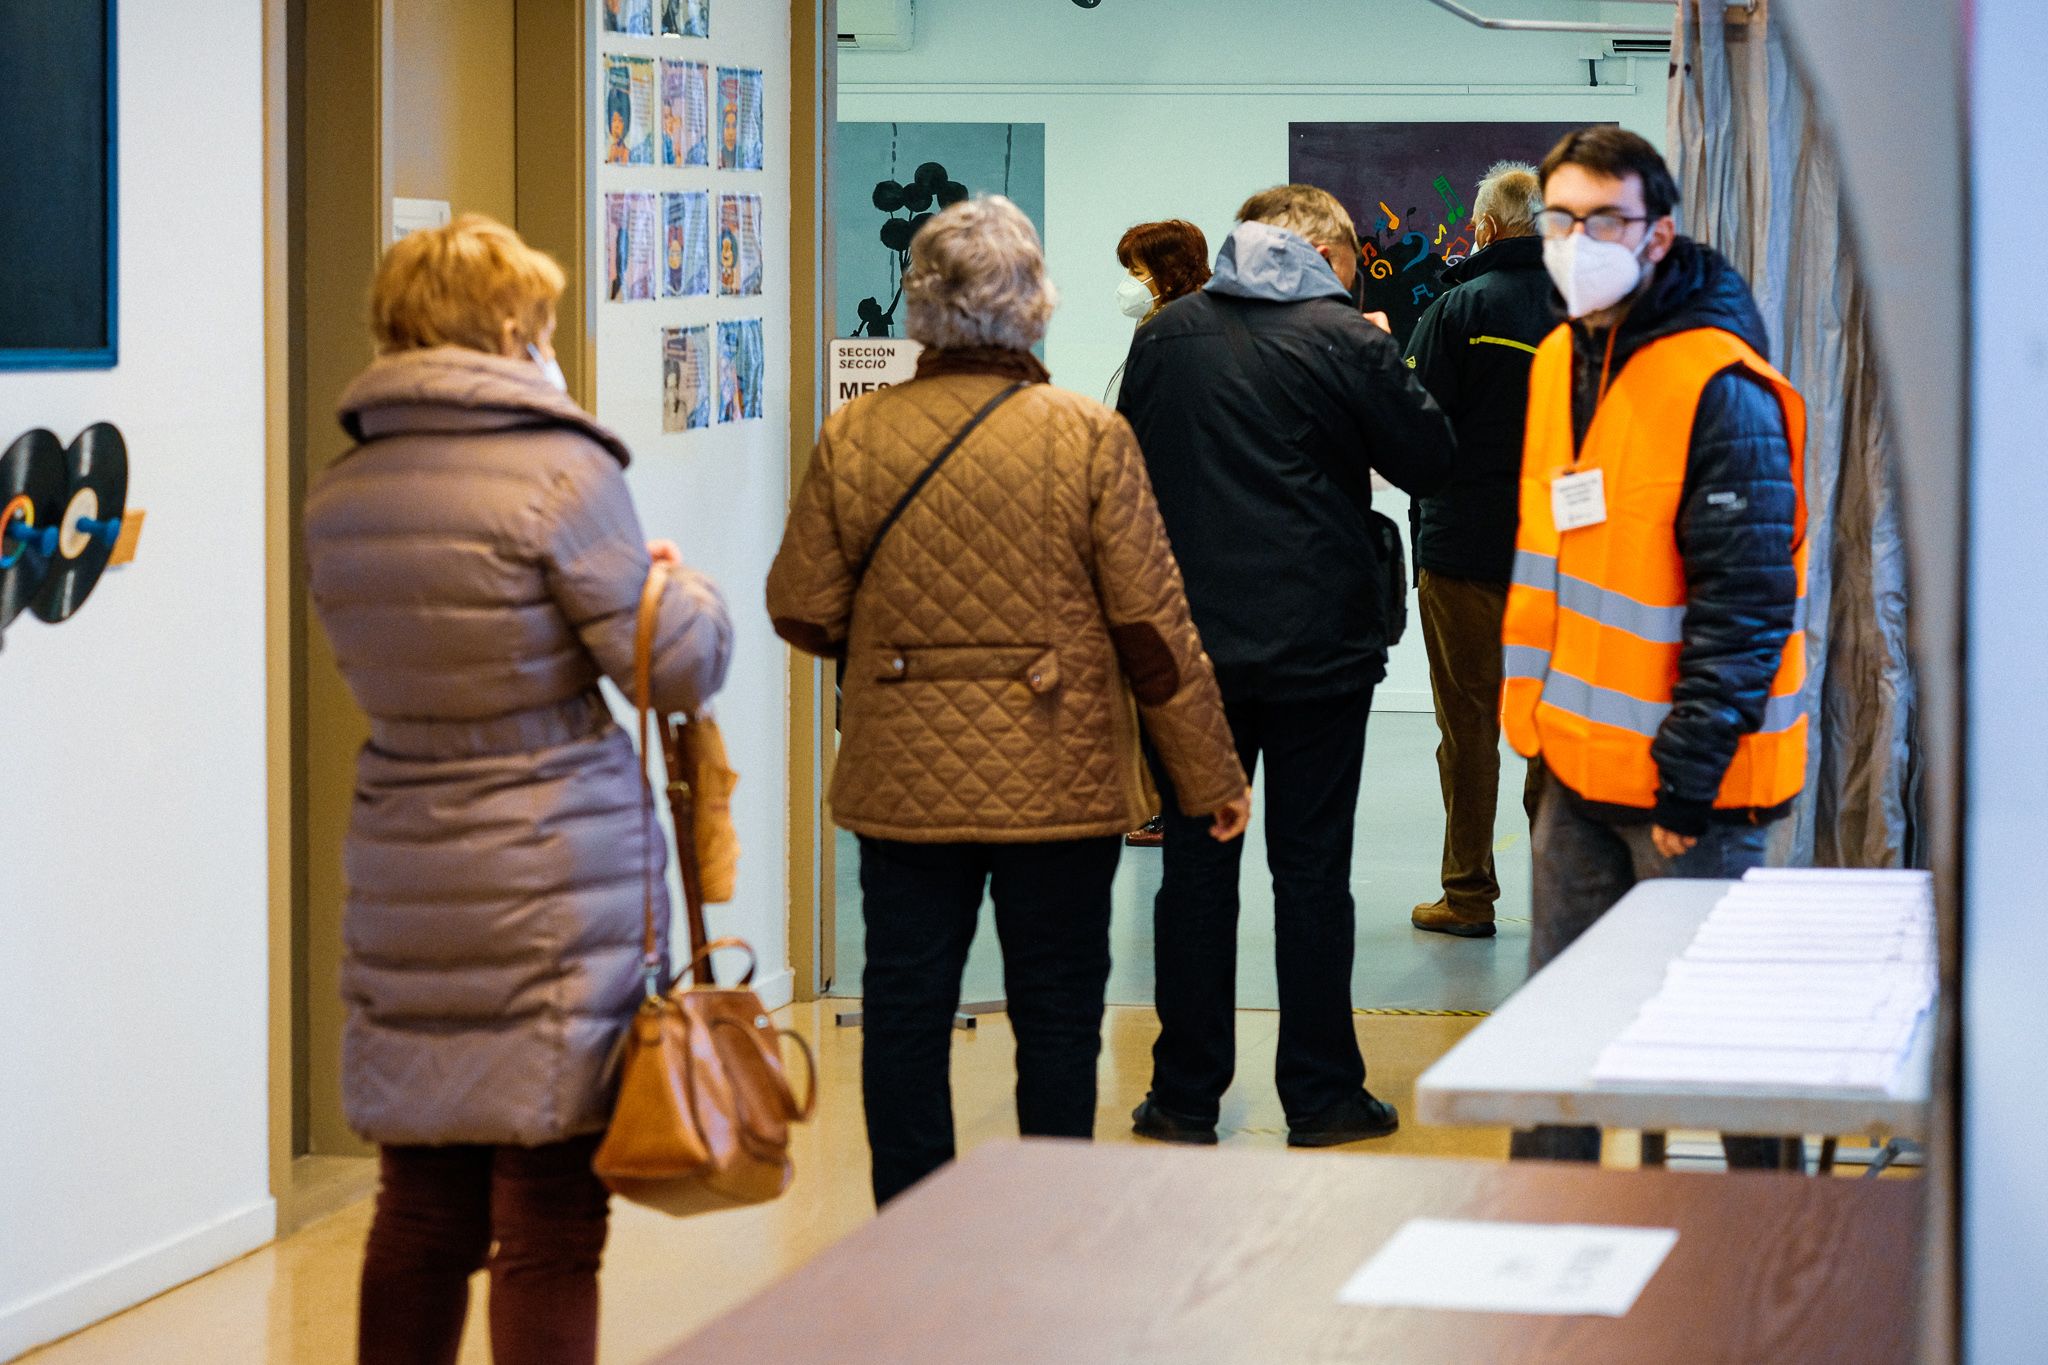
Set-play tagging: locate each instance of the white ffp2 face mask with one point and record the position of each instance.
(550, 368)
(1133, 297)
(1592, 274)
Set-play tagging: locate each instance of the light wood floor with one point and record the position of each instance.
(295, 1300)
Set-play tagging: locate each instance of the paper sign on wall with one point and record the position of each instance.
(1488, 1267)
(410, 215)
(861, 365)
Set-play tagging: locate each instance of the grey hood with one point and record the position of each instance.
(1260, 261)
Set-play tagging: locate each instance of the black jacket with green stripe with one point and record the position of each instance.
(1472, 350)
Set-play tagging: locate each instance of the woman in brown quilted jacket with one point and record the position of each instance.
(477, 565)
(1014, 624)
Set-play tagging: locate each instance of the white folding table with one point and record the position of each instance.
(1532, 1061)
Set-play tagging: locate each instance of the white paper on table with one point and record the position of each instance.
(1845, 876)
(1493, 1267)
(1631, 1063)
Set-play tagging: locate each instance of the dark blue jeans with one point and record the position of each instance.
(1314, 752)
(1583, 866)
(921, 903)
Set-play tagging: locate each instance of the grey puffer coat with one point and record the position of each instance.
(477, 564)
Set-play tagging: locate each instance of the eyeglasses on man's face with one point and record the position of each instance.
(1602, 225)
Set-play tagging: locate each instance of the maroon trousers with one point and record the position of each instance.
(534, 1216)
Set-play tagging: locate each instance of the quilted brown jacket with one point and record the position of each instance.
(477, 564)
(1025, 601)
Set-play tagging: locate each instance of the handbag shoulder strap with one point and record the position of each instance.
(652, 965)
(917, 484)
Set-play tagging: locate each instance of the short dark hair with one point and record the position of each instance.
(1174, 253)
(1612, 150)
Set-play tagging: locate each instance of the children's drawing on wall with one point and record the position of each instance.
(908, 172)
(629, 243)
(685, 114)
(629, 16)
(686, 18)
(686, 245)
(742, 362)
(741, 140)
(1409, 190)
(629, 110)
(685, 378)
(739, 244)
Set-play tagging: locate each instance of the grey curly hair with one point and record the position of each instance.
(977, 278)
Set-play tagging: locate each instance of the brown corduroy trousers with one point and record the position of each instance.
(1461, 624)
(535, 1217)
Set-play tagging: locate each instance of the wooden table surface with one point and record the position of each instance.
(1047, 1252)
(1532, 1060)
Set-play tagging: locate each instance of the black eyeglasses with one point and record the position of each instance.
(1603, 225)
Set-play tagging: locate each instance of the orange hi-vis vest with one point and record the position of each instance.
(1596, 615)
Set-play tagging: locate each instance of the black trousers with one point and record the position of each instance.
(1314, 752)
(921, 903)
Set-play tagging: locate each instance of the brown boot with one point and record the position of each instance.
(1438, 918)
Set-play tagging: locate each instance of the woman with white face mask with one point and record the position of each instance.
(1162, 261)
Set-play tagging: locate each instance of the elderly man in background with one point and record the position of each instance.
(1472, 350)
(1263, 404)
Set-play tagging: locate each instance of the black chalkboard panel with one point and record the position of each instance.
(57, 181)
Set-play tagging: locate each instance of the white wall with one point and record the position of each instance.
(1179, 109)
(133, 843)
(2005, 925)
(720, 493)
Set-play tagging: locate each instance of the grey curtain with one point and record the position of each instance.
(1760, 182)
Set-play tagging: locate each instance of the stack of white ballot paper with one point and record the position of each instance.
(1799, 977)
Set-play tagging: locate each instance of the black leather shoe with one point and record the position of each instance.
(1148, 1120)
(1356, 1119)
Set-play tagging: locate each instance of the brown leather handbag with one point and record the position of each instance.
(705, 1106)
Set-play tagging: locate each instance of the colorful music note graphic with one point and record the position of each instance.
(1455, 208)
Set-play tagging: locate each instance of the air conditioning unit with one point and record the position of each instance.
(876, 25)
(1639, 47)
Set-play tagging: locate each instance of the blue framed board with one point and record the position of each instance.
(59, 179)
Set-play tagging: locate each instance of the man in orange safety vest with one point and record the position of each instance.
(1654, 646)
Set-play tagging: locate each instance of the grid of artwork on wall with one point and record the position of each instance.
(681, 232)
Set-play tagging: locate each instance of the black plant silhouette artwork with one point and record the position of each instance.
(930, 189)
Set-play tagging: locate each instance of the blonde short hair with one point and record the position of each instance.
(977, 278)
(1304, 211)
(1511, 195)
(457, 285)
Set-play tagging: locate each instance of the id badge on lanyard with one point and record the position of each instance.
(1578, 500)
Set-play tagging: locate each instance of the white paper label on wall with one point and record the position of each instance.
(860, 365)
(410, 215)
(1488, 1267)
(1578, 500)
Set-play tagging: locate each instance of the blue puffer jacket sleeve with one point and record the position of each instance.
(1735, 530)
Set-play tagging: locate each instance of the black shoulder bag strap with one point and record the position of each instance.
(917, 484)
(1386, 534)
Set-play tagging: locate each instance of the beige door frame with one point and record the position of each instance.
(813, 65)
(347, 206)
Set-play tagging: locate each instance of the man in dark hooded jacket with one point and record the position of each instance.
(1472, 350)
(1654, 659)
(1263, 403)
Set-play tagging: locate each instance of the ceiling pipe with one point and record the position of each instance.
(1558, 25)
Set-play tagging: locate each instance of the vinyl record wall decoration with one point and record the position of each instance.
(64, 520)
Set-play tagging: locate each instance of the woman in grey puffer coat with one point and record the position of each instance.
(477, 564)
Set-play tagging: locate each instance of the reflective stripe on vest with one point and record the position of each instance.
(1596, 616)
